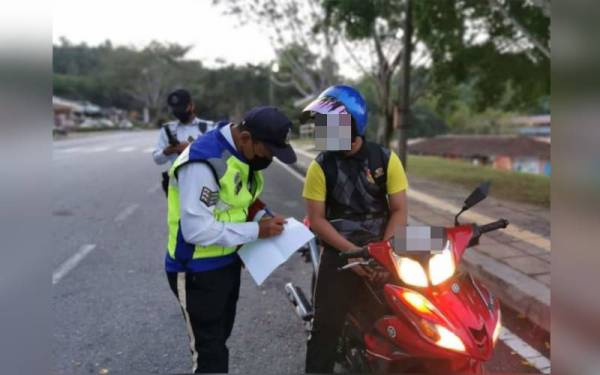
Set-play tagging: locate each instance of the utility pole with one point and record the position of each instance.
(403, 114)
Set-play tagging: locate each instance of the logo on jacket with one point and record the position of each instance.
(369, 176)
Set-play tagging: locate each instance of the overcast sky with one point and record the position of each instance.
(187, 22)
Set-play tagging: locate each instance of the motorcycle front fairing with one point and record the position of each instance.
(461, 305)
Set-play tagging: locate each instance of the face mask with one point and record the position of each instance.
(259, 163)
(182, 116)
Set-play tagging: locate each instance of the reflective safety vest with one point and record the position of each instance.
(231, 203)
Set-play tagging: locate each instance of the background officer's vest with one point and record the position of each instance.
(356, 201)
(231, 201)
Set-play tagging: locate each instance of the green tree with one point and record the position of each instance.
(490, 44)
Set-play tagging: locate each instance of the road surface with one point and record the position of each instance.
(113, 311)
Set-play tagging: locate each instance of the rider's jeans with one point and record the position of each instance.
(335, 292)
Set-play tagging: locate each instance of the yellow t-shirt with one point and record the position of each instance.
(315, 187)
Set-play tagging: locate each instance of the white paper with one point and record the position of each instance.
(263, 256)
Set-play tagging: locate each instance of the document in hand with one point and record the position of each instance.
(263, 256)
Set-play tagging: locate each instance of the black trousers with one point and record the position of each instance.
(334, 294)
(208, 301)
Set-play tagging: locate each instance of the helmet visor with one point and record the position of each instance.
(323, 105)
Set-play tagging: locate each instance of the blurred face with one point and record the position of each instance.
(184, 115)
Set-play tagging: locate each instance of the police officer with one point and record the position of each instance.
(175, 136)
(213, 208)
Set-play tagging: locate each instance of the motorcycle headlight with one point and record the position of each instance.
(410, 271)
(449, 340)
(441, 266)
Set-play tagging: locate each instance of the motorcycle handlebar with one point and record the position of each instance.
(499, 224)
(360, 253)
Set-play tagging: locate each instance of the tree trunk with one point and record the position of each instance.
(405, 86)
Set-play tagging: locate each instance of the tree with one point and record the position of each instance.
(303, 41)
(492, 43)
(381, 22)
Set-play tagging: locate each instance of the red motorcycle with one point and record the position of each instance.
(428, 317)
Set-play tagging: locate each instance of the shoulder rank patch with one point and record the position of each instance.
(209, 197)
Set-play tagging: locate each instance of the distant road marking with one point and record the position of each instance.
(71, 263)
(69, 150)
(523, 349)
(148, 150)
(126, 212)
(126, 149)
(472, 216)
(153, 189)
(96, 149)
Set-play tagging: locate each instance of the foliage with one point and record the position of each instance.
(130, 78)
(495, 45)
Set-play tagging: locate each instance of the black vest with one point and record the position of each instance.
(356, 201)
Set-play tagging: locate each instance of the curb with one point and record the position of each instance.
(518, 291)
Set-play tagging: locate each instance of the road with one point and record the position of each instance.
(113, 311)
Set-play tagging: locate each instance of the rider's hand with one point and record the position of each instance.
(270, 227)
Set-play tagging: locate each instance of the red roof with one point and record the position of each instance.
(469, 146)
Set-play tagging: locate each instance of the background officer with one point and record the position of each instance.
(176, 135)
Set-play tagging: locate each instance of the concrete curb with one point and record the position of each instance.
(515, 289)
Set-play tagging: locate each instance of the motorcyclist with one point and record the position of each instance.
(355, 193)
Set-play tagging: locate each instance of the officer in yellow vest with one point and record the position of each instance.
(213, 208)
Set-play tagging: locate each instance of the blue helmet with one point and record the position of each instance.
(341, 99)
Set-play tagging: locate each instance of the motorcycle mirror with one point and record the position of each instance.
(477, 195)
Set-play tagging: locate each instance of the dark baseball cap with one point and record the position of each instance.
(271, 127)
(179, 99)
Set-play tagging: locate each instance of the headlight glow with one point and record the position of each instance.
(417, 301)
(441, 266)
(449, 340)
(497, 329)
(410, 271)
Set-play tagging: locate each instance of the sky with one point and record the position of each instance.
(187, 22)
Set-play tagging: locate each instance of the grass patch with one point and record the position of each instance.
(515, 186)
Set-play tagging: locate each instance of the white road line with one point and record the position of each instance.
(148, 150)
(126, 212)
(153, 189)
(291, 170)
(96, 149)
(68, 150)
(535, 358)
(126, 149)
(71, 263)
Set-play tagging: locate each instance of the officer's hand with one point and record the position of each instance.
(180, 147)
(170, 149)
(270, 227)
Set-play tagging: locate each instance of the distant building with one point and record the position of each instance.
(517, 153)
(533, 126)
(69, 114)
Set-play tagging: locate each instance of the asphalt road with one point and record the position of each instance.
(113, 310)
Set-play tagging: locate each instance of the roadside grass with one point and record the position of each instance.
(515, 186)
